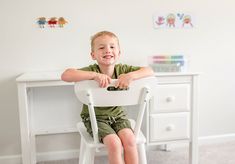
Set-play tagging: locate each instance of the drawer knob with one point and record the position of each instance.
(170, 98)
(170, 127)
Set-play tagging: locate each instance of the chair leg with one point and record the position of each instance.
(142, 154)
(82, 152)
(91, 155)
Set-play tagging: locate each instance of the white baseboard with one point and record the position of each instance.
(46, 156)
(206, 140)
(69, 154)
(10, 159)
(216, 139)
(57, 155)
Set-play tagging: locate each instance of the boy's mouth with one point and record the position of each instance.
(107, 56)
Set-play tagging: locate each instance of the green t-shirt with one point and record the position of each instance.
(108, 111)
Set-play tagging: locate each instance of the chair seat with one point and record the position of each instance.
(89, 140)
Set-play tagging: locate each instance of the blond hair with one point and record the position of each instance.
(102, 33)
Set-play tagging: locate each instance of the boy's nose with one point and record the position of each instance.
(107, 50)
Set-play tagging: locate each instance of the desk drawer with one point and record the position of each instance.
(171, 98)
(173, 126)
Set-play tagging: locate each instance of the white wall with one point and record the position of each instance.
(209, 47)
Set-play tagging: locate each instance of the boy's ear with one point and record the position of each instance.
(92, 56)
(119, 53)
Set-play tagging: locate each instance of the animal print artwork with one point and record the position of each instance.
(173, 20)
(52, 22)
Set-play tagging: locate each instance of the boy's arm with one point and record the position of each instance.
(125, 79)
(75, 75)
(141, 73)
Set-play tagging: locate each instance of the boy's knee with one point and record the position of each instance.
(112, 142)
(129, 142)
(128, 139)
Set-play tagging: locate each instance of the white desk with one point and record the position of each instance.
(48, 105)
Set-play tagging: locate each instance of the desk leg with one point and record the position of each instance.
(193, 153)
(25, 131)
(193, 145)
(33, 149)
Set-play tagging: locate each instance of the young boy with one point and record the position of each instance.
(114, 128)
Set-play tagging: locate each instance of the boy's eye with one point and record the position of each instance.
(112, 47)
(101, 48)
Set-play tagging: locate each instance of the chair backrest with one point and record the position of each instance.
(109, 96)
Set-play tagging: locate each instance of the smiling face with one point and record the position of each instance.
(105, 50)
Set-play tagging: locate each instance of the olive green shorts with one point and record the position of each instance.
(107, 125)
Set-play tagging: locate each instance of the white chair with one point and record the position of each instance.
(89, 93)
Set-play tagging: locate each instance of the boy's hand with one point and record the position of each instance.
(123, 81)
(102, 79)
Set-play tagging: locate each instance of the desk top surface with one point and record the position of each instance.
(56, 75)
(40, 76)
